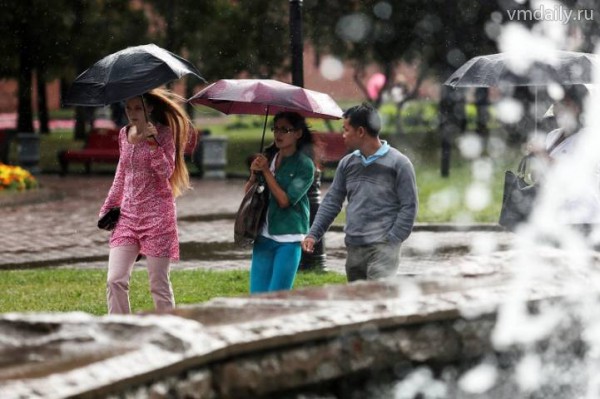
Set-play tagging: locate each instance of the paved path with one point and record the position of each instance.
(61, 231)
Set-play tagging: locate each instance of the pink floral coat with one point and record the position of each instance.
(141, 188)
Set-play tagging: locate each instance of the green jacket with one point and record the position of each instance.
(295, 176)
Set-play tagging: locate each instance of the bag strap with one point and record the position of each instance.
(557, 142)
(524, 163)
(522, 169)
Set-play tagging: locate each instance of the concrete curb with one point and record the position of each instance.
(444, 227)
(433, 227)
(441, 227)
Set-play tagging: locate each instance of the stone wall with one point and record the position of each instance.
(272, 345)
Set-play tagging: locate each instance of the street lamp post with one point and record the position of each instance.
(316, 259)
(296, 43)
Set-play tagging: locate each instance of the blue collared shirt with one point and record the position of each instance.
(385, 147)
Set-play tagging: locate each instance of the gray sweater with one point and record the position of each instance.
(382, 200)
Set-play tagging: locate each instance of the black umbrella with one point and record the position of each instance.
(560, 67)
(127, 73)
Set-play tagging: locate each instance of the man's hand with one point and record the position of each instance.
(308, 244)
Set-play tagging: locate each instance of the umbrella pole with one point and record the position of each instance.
(262, 141)
(146, 117)
(144, 106)
(536, 112)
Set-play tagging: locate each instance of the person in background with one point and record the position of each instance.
(579, 207)
(288, 170)
(567, 116)
(150, 174)
(379, 183)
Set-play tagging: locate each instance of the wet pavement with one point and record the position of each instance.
(56, 227)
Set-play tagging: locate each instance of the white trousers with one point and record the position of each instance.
(120, 264)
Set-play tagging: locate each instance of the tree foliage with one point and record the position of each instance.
(27, 46)
(436, 34)
(244, 37)
(59, 39)
(227, 38)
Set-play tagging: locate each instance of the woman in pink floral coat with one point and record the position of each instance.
(151, 173)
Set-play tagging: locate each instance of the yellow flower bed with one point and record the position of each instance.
(15, 178)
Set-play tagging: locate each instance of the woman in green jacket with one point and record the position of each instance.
(289, 171)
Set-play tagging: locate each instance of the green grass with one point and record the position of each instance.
(444, 199)
(65, 290)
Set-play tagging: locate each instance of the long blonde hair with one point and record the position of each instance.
(167, 111)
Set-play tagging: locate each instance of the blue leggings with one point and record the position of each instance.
(274, 265)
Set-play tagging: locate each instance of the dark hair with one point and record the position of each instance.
(576, 93)
(304, 143)
(366, 116)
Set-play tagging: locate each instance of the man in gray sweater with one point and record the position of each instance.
(379, 183)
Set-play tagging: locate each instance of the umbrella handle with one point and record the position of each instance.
(262, 141)
(144, 106)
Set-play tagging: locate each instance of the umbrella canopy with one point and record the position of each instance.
(266, 96)
(127, 73)
(511, 69)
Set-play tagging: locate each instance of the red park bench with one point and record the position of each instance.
(329, 148)
(102, 146)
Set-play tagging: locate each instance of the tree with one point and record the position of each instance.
(71, 47)
(225, 38)
(120, 26)
(182, 22)
(17, 45)
(460, 36)
(438, 35)
(369, 32)
(49, 53)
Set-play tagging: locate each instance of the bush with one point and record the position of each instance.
(421, 116)
(417, 117)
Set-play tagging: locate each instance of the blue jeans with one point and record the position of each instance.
(274, 265)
